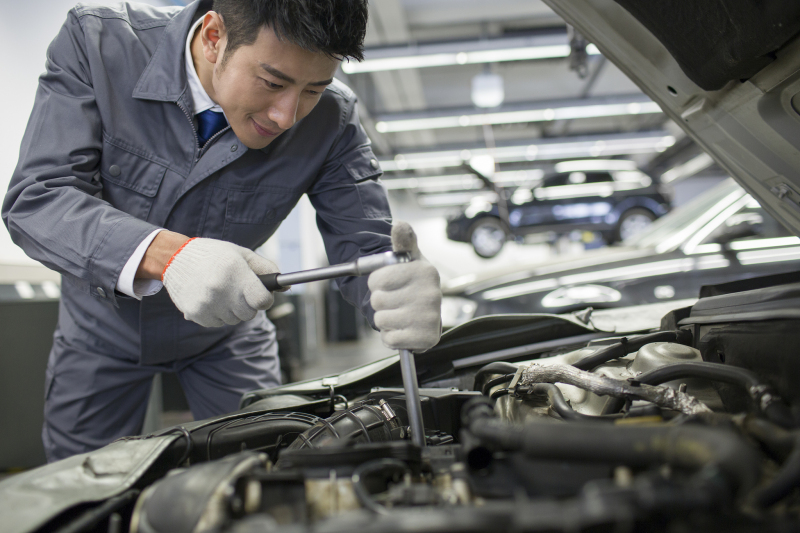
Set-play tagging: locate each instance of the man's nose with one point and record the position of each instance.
(283, 112)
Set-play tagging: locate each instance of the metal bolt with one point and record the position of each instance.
(101, 292)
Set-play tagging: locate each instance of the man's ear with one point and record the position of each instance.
(212, 35)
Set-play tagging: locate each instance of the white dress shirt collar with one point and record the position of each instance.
(199, 95)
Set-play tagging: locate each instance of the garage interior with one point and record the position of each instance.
(461, 99)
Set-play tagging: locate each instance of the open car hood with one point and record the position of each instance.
(728, 72)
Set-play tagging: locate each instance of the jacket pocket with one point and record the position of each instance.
(364, 169)
(251, 217)
(130, 181)
(363, 165)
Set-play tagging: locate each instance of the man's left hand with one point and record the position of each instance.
(407, 297)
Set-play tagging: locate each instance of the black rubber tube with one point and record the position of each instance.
(556, 400)
(688, 447)
(492, 369)
(560, 405)
(712, 371)
(784, 482)
(773, 408)
(495, 382)
(626, 346)
(371, 468)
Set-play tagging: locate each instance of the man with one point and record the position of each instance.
(164, 146)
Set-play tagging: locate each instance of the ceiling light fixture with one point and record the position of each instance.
(595, 164)
(423, 60)
(544, 114)
(608, 145)
(487, 90)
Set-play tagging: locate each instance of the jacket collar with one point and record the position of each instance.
(164, 78)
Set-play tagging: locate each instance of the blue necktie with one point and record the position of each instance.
(209, 123)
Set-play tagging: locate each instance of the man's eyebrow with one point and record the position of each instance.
(280, 75)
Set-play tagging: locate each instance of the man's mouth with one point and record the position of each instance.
(264, 132)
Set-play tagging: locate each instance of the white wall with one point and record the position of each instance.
(31, 25)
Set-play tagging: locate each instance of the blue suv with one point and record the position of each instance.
(610, 197)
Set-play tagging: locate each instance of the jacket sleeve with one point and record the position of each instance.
(353, 214)
(54, 208)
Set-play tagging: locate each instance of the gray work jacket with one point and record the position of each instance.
(110, 154)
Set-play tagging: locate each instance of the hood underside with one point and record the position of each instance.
(728, 72)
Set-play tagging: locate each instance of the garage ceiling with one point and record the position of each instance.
(546, 101)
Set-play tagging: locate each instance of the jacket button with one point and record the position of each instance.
(373, 163)
(234, 148)
(101, 292)
(114, 170)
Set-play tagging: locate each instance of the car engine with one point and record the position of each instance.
(529, 427)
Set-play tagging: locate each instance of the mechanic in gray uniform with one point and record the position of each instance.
(164, 145)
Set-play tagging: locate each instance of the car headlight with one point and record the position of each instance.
(456, 310)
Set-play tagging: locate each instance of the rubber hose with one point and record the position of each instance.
(495, 382)
(560, 405)
(713, 371)
(775, 410)
(690, 447)
(786, 480)
(498, 368)
(371, 468)
(626, 346)
(556, 400)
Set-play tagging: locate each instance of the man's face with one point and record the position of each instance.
(265, 87)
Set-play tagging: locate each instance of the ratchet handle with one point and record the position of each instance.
(360, 267)
(270, 281)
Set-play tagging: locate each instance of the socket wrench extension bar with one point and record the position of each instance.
(361, 267)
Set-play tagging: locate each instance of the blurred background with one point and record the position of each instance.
(471, 107)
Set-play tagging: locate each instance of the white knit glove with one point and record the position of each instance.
(407, 297)
(214, 282)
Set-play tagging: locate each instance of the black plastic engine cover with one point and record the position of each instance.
(757, 329)
(767, 348)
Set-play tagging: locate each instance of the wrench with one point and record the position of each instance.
(361, 267)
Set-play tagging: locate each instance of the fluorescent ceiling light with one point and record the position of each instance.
(439, 183)
(462, 182)
(545, 150)
(687, 169)
(595, 164)
(423, 60)
(544, 114)
(451, 199)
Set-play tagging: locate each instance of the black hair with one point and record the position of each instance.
(333, 27)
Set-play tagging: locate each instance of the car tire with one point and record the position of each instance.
(631, 222)
(487, 235)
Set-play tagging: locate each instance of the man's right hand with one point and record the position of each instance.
(215, 282)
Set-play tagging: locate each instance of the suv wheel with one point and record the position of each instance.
(487, 236)
(632, 222)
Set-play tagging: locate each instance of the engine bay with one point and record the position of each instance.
(560, 427)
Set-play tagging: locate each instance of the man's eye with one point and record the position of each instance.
(272, 85)
(314, 93)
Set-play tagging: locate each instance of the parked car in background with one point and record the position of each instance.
(612, 197)
(723, 235)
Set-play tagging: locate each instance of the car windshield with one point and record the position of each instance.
(666, 227)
